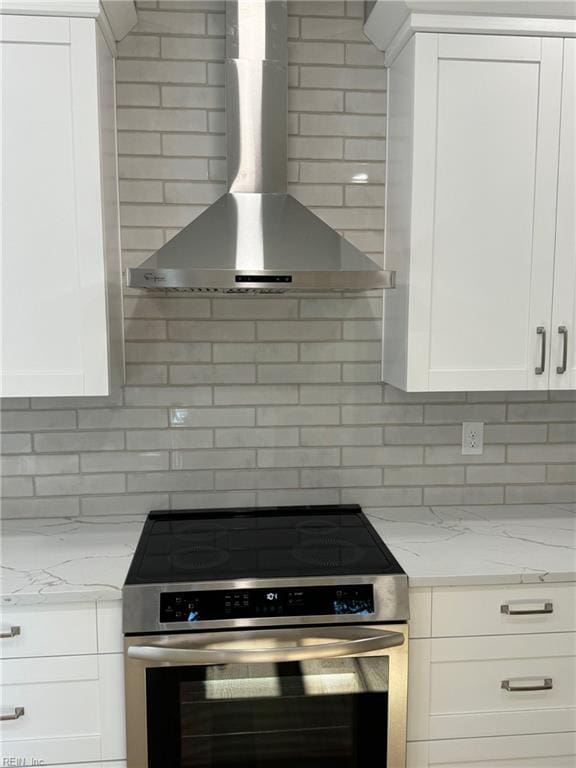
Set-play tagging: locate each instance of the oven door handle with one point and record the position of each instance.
(359, 642)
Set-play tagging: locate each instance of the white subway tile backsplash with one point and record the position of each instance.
(254, 309)
(256, 394)
(139, 47)
(298, 457)
(125, 461)
(331, 29)
(341, 436)
(211, 330)
(40, 507)
(255, 353)
(364, 55)
(133, 95)
(340, 477)
(344, 125)
(62, 442)
(258, 437)
(316, 101)
(242, 400)
(506, 474)
(212, 417)
(216, 459)
(382, 456)
(136, 71)
(343, 351)
(557, 452)
(298, 373)
(170, 481)
(16, 486)
(381, 414)
(299, 331)
(79, 485)
(167, 352)
(260, 479)
(145, 396)
(37, 421)
(122, 418)
(165, 168)
(165, 308)
(201, 49)
(342, 173)
(212, 374)
(124, 504)
(343, 78)
(15, 443)
(296, 415)
(175, 23)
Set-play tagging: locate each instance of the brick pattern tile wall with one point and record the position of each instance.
(258, 400)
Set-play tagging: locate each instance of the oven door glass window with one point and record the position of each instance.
(328, 713)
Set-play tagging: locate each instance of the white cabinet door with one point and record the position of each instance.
(476, 119)
(563, 361)
(55, 319)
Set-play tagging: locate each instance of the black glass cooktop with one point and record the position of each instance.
(269, 542)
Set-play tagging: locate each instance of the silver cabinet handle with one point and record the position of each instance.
(563, 331)
(17, 713)
(361, 641)
(520, 684)
(509, 609)
(12, 632)
(539, 370)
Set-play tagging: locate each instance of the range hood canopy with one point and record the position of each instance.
(256, 237)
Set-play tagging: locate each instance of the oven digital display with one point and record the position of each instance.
(214, 605)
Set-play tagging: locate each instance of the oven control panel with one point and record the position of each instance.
(212, 605)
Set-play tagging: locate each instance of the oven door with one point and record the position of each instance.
(310, 697)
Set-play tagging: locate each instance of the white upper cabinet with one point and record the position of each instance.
(61, 286)
(473, 149)
(563, 330)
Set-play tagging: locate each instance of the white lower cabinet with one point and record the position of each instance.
(63, 686)
(537, 751)
(503, 698)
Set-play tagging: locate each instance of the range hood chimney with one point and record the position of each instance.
(257, 238)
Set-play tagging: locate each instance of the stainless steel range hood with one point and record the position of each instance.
(257, 238)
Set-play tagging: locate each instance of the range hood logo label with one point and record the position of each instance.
(153, 277)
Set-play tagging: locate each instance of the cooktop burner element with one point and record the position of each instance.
(277, 542)
(328, 552)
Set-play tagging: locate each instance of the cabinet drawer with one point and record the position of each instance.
(473, 611)
(539, 751)
(480, 686)
(61, 711)
(48, 630)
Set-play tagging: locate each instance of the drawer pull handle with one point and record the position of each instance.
(12, 632)
(563, 331)
(527, 684)
(18, 712)
(539, 370)
(509, 610)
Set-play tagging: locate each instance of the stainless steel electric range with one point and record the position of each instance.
(261, 637)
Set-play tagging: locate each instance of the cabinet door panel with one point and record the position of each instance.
(58, 174)
(564, 311)
(40, 339)
(492, 253)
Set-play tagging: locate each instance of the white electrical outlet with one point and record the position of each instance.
(472, 438)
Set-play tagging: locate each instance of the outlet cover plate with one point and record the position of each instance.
(472, 438)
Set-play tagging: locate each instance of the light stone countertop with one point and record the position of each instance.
(62, 559)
